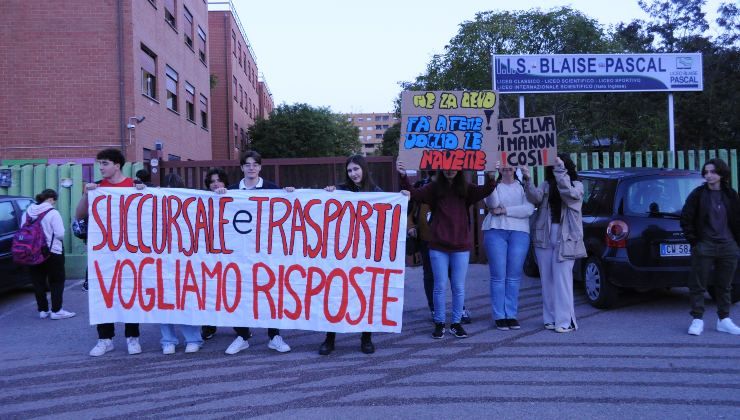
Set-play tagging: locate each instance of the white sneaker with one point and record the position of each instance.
(237, 345)
(168, 349)
(133, 345)
(192, 348)
(727, 326)
(43, 315)
(104, 346)
(697, 326)
(62, 314)
(278, 344)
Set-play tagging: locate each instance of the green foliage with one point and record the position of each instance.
(633, 121)
(391, 137)
(300, 130)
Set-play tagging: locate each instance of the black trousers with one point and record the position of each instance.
(243, 332)
(108, 330)
(723, 258)
(53, 270)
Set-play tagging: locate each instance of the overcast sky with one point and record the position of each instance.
(350, 56)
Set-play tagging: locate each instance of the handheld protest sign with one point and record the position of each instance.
(530, 141)
(448, 130)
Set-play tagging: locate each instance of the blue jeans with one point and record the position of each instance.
(456, 264)
(190, 332)
(506, 251)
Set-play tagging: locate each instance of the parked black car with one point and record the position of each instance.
(632, 232)
(11, 210)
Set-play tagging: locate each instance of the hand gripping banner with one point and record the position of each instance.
(309, 259)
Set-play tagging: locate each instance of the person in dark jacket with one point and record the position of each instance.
(251, 165)
(450, 197)
(710, 220)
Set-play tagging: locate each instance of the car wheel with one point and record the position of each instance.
(599, 290)
(734, 295)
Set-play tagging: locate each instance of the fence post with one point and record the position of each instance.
(649, 159)
(584, 161)
(702, 159)
(39, 179)
(605, 160)
(595, 160)
(671, 159)
(627, 159)
(681, 161)
(617, 159)
(733, 167)
(712, 153)
(661, 159)
(65, 205)
(638, 159)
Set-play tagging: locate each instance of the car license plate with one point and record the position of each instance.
(675, 250)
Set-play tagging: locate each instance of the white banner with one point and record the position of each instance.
(308, 260)
(554, 73)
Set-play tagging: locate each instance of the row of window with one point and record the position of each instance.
(246, 65)
(172, 88)
(377, 127)
(377, 118)
(377, 136)
(245, 102)
(189, 27)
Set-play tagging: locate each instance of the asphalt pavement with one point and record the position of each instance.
(634, 361)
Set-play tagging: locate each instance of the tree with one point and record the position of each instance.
(674, 20)
(300, 130)
(391, 137)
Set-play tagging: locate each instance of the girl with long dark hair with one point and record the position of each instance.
(557, 237)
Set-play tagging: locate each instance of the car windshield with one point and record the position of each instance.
(660, 196)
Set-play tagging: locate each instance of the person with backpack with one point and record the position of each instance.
(506, 241)
(111, 162)
(450, 197)
(42, 226)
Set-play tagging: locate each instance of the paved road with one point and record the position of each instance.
(635, 361)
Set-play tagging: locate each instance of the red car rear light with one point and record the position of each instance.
(616, 234)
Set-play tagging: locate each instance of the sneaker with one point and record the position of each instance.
(237, 345)
(502, 325)
(278, 344)
(192, 348)
(567, 329)
(44, 314)
(207, 332)
(133, 345)
(168, 349)
(62, 314)
(458, 331)
(326, 348)
(439, 331)
(367, 347)
(513, 324)
(466, 319)
(549, 326)
(697, 327)
(727, 326)
(104, 346)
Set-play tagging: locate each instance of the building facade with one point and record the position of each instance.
(372, 126)
(237, 82)
(131, 74)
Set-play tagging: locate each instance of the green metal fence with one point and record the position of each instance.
(30, 179)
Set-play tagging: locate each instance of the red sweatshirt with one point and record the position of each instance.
(451, 230)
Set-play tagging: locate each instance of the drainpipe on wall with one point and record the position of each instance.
(121, 85)
(227, 57)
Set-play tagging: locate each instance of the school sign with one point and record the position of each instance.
(597, 73)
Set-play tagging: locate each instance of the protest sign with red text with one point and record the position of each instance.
(309, 260)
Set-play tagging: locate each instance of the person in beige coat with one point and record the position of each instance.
(557, 237)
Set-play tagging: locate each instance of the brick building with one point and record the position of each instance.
(80, 77)
(372, 126)
(242, 97)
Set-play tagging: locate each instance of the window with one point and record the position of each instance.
(204, 112)
(658, 195)
(8, 222)
(147, 154)
(378, 127)
(369, 119)
(386, 118)
(349, 119)
(171, 88)
(378, 136)
(236, 133)
(240, 54)
(188, 27)
(233, 43)
(361, 137)
(377, 118)
(169, 13)
(148, 72)
(249, 106)
(369, 137)
(189, 102)
(235, 91)
(241, 97)
(385, 126)
(202, 45)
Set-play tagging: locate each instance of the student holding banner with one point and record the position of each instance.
(449, 197)
(557, 239)
(357, 179)
(251, 165)
(506, 241)
(110, 162)
(216, 180)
